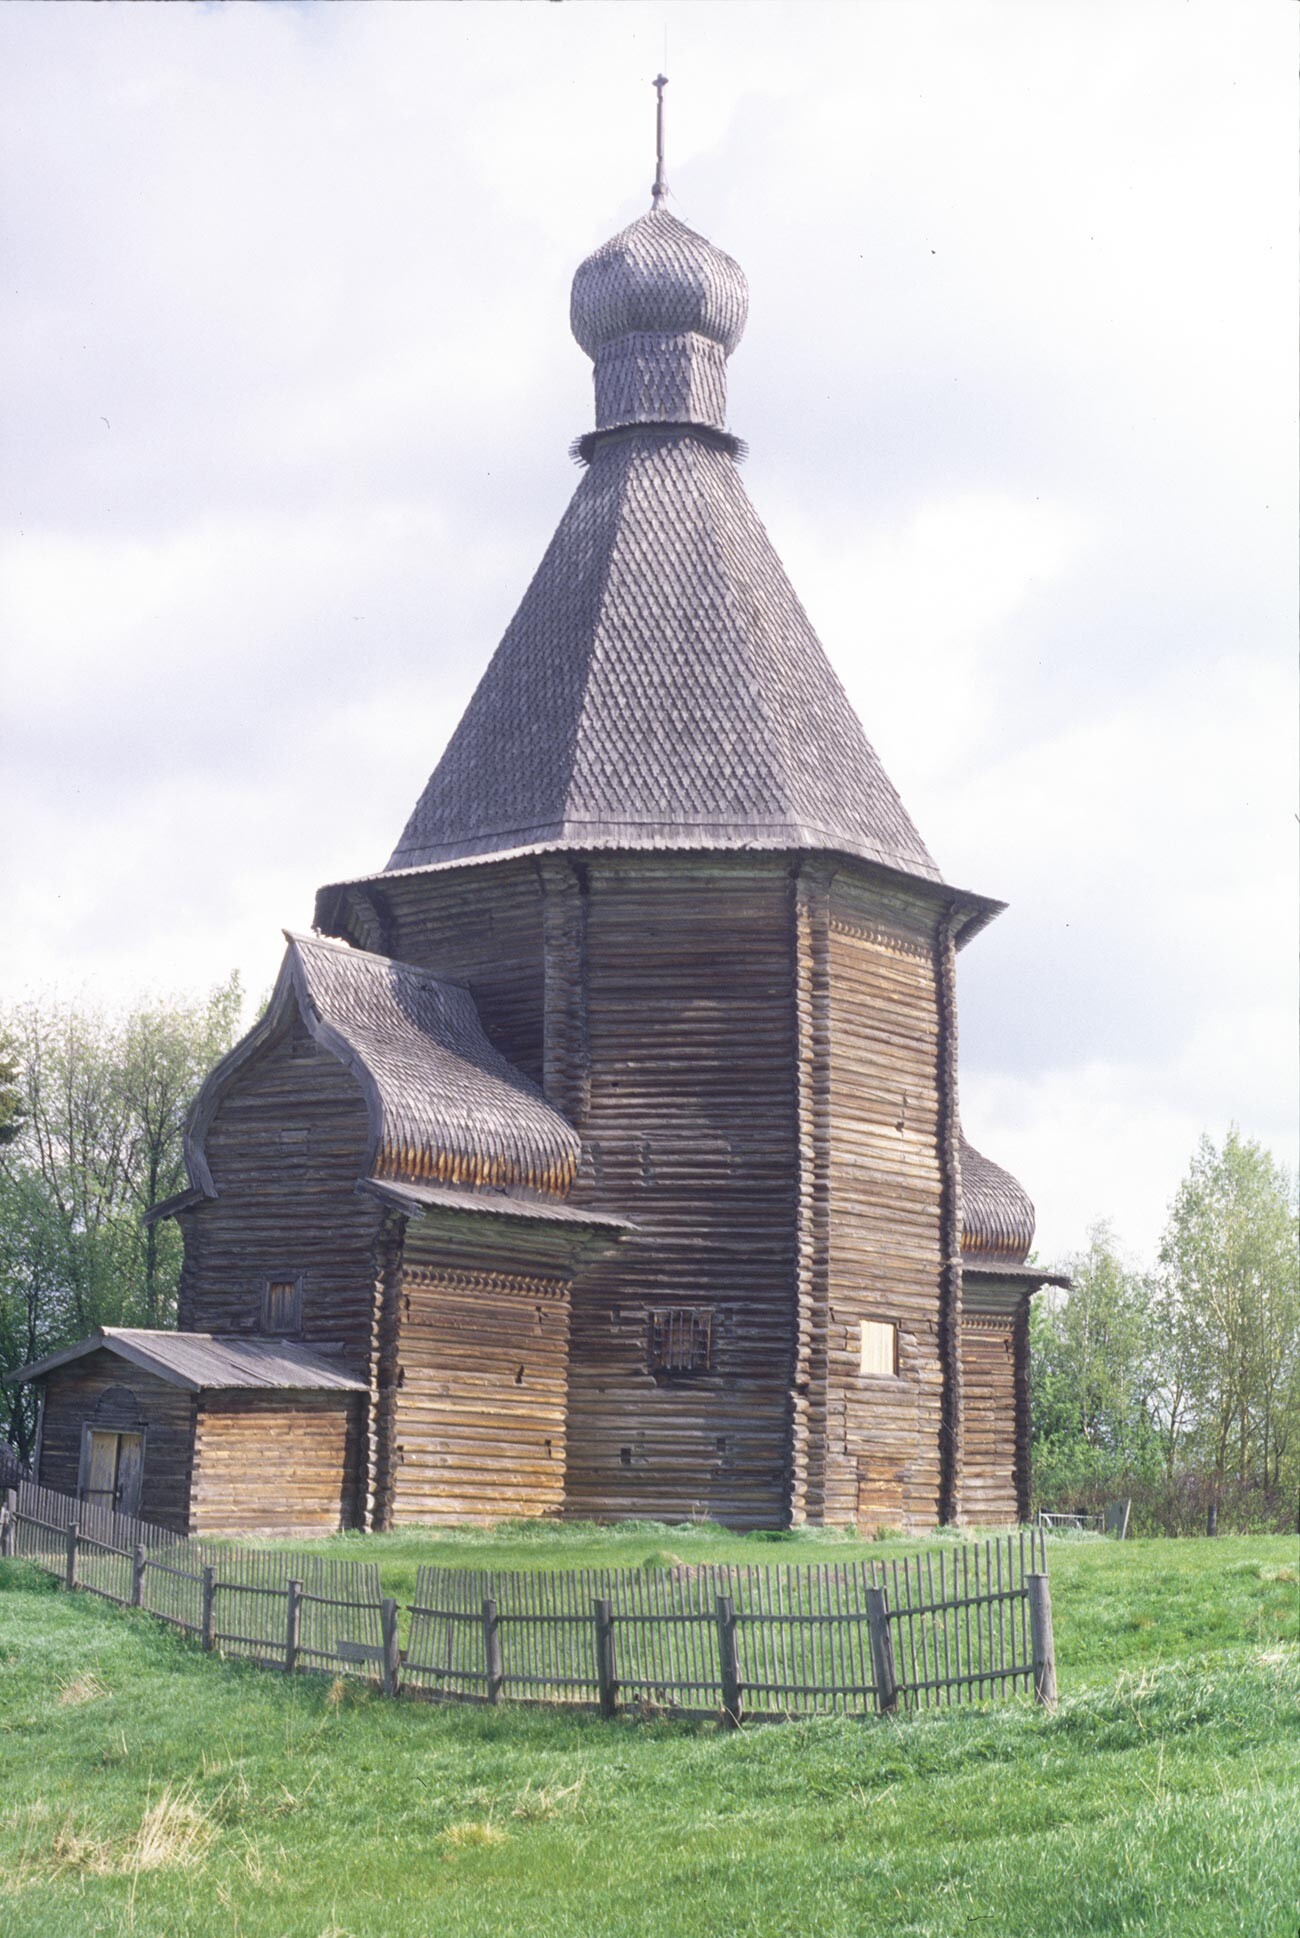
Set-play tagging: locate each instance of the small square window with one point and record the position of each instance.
(282, 1305)
(681, 1340)
(879, 1349)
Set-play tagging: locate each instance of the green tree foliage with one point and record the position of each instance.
(1094, 1367)
(11, 1110)
(1180, 1388)
(1229, 1315)
(101, 1103)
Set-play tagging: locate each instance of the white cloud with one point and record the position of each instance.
(1019, 383)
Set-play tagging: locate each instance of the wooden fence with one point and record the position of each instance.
(288, 1611)
(963, 1624)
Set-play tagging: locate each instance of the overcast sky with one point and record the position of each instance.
(288, 390)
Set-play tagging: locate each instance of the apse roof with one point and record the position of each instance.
(997, 1213)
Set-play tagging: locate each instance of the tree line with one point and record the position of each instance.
(1177, 1385)
(92, 1109)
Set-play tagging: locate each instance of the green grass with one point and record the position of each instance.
(147, 1789)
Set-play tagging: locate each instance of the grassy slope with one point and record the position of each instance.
(1161, 1799)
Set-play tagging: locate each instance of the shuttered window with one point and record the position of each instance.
(879, 1346)
(681, 1339)
(282, 1305)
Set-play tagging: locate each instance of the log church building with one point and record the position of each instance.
(600, 1155)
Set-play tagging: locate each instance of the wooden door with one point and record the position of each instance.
(100, 1486)
(130, 1471)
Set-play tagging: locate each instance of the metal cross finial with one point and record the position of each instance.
(659, 193)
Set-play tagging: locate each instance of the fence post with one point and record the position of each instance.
(1212, 1518)
(492, 1649)
(139, 1562)
(391, 1670)
(1042, 1647)
(7, 1528)
(605, 1672)
(728, 1662)
(292, 1625)
(208, 1620)
(883, 1673)
(70, 1568)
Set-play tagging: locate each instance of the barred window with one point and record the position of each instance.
(282, 1305)
(681, 1340)
(879, 1344)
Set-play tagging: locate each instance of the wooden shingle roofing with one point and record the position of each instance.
(444, 1105)
(660, 686)
(997, 1213)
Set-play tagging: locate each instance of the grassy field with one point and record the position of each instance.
(147, 1789)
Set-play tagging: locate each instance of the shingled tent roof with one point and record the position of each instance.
(660, 686)
(444, 1104)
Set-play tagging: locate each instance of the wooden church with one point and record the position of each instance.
(601, 1154)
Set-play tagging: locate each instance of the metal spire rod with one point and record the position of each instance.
(659, 193)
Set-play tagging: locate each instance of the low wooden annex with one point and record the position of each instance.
(607, 1140)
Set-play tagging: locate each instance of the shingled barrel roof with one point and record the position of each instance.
(660, 686)
(997, 1212)
(444, 1104)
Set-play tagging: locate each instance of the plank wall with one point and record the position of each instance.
(690, 1130)
(871, 1446)
(275, 1463)
(286, 1147)
(71, 1394)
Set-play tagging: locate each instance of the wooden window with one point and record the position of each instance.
(282, 1305)
(681, 1340)
(879, 1347)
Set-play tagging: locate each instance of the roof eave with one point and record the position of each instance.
(974, 911)
(1032, 1276)
(413, 1201)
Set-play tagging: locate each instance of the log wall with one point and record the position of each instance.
(479, 1409)
(275, 1463)
(995, 1355)
(286, 1147)
(873, 1041)
(480, 926)
(988, 1348)
(70, 1397)
(688, 1081)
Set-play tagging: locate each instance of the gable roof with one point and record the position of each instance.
(443, 1103)
(208, 1362)
(660, 687)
